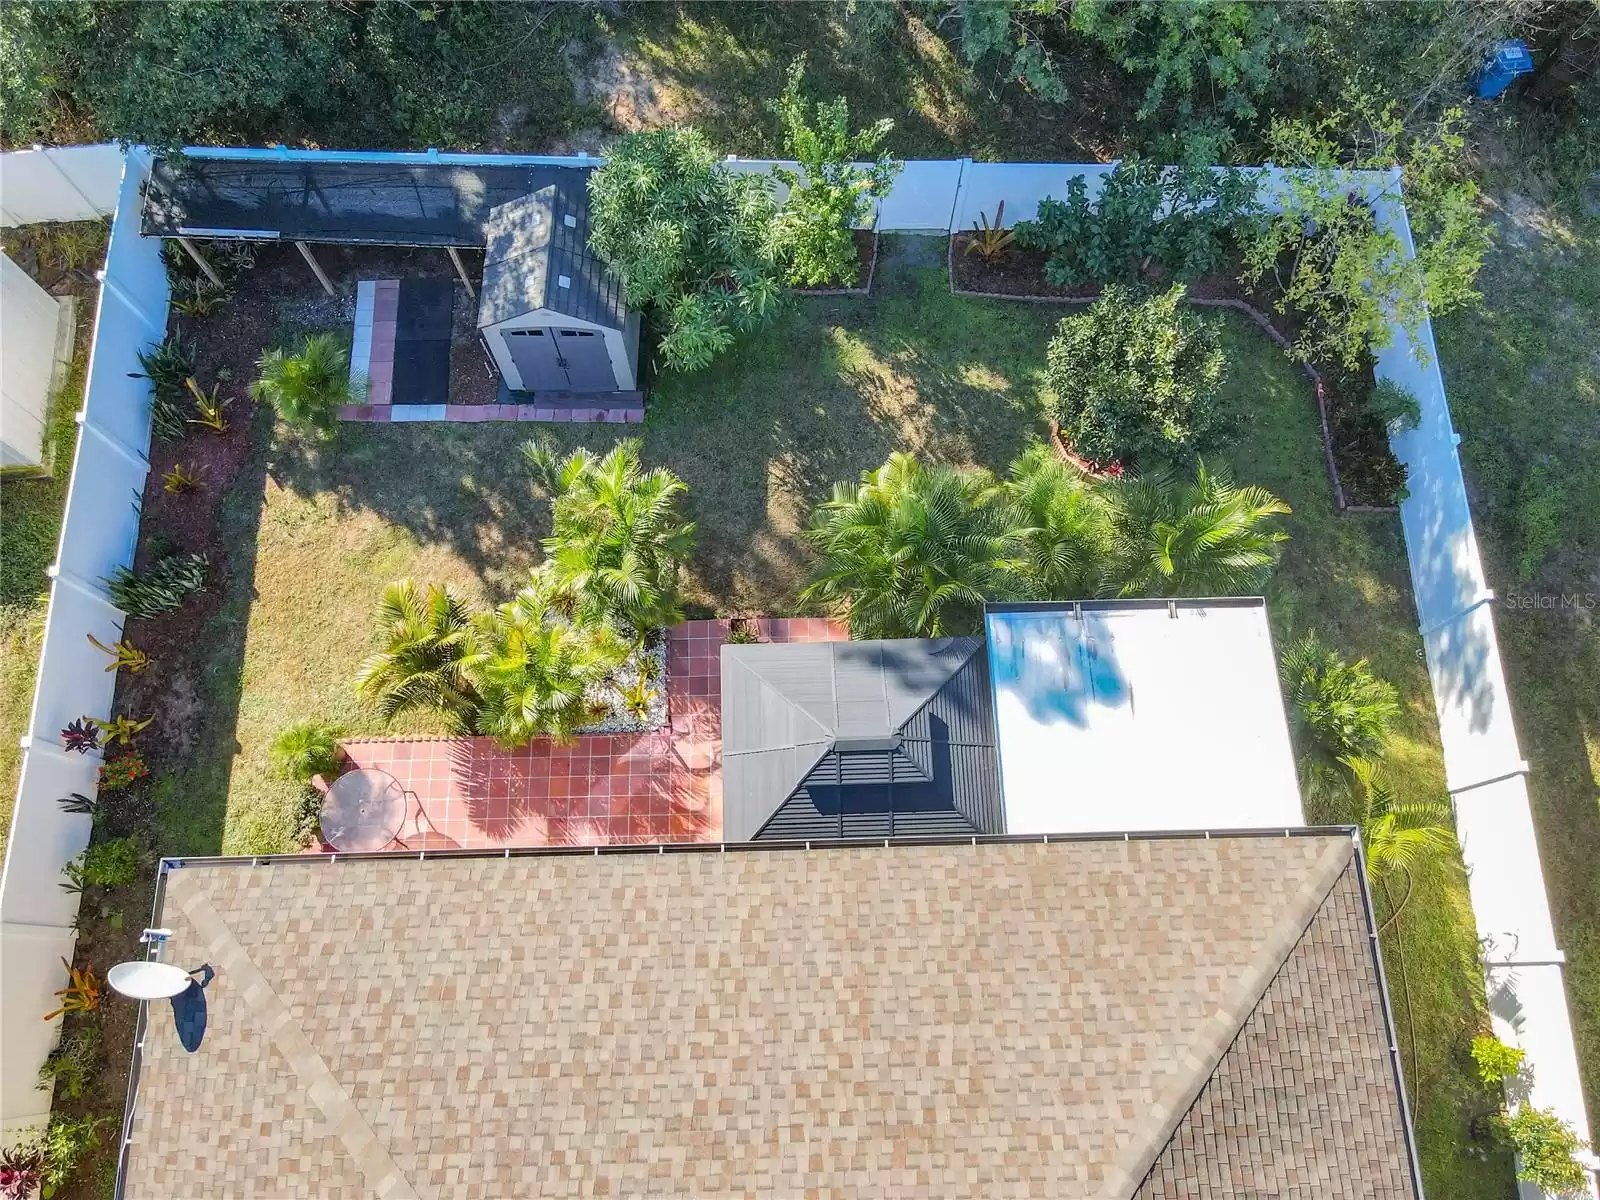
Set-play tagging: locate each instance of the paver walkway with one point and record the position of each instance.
(604, 789)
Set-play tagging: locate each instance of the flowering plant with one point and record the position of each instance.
(120, 772)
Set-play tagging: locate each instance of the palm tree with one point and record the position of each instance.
(1337, 710)
(307, 388)
(424, 636)
(617, 540)
(1200, 537)
(914, 551)
(1064, 530)
(537, 671)
(1397, 835)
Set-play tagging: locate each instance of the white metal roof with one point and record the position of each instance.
(1140, 715)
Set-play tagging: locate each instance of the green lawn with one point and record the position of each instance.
(1523, 376)
(759, 439)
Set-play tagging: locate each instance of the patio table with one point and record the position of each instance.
(363, 810)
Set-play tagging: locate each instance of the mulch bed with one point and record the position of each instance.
(1362, 469)
(866, 256)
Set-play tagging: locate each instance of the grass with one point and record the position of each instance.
(714, 65)
(1523, 376)
(761, 438)
(32, 511)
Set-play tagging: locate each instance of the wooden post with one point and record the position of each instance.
(316, 268)
(462, 271)
(200, 261)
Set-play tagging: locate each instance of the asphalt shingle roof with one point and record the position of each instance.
(1063, 1019)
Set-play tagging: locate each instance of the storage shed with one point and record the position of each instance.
(551, 315)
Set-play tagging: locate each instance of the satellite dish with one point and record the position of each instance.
(149, 980)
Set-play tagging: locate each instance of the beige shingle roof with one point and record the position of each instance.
(985, 1020)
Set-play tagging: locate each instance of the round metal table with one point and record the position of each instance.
(363, 810)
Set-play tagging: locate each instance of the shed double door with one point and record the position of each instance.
(561, 360)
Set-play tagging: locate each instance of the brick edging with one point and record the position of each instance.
(1341, 502)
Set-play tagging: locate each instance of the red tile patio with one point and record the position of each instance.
(604, 789)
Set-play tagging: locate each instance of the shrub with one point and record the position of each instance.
(66, 1141)
(1338, 711)
(1136, 378)
(424, 639)
(538, 673)
(1496, 1061)
(1547, 1150)
(914, 550)
(1197, 56)
(109, 864)
(308, 388)
(1348, 277)
(617, 539)
(82, 993)
(71, 1065)
(1119, 233)
(167, 365)
(162, 587)
(1394, 406)
(306, 748)
(1194, 536)
(829, 196)
(691, 242)
(122, 771)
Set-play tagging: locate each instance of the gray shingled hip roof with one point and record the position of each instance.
(537, 257)
(858, 739)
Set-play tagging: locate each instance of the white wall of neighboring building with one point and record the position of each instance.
(29, 317)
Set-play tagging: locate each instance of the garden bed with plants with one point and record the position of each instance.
(1363, 472)
(866, 248)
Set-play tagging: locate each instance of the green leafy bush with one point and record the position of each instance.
(111, 864)
(914, 550)
(306, 748)
(162, 587)
(1197, 54)
(1346, 275)
(617, 540)
(71, 1065)
(1338, 710)
(1013, 37)
(423, 634)
(829, 196)
(1182, 217)
(1496, 1061)
(539, 673)
(306, 389)
(691, 242)
(1198, 535)
(1135, 378)
(1547, 1150)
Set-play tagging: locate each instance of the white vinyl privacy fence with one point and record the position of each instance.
(1486, 773)
(98, 533)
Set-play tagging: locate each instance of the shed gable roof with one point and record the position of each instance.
(533, 244)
